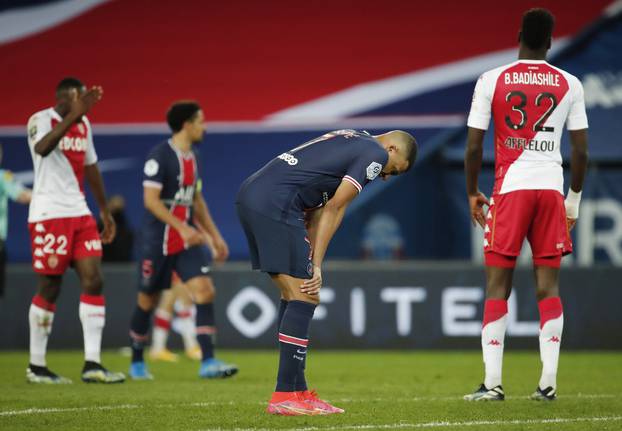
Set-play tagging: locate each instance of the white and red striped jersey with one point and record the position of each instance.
(58, 189)
(530, 101)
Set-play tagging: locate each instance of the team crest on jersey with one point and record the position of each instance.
(151, 167)
(373, 170)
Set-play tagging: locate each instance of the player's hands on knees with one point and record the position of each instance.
(222, 248)
(476, 207)
(313, 285)
(110, 227)
(570, 222)
(86, 101)
(190, 235)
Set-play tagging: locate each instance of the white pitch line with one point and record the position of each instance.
(444, 424)
(40, 411)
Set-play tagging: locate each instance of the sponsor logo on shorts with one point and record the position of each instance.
(52, 261)
(93, 244)
(310, 269)
(291, 160)
(205, 269)
(147, 268)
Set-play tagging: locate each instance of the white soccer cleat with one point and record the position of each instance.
(485, 394)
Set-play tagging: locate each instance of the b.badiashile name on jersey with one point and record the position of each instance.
(533, 78)
(529, 144)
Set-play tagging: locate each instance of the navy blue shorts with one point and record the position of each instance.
(276, 247)
(156, 270)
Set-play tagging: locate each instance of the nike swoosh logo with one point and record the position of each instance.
(303, 352)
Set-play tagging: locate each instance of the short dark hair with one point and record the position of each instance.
(180, 112)
(412, 155)
(68, 83)
(537, 28)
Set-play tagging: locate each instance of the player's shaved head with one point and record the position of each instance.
(180, 112)
(406, 143)
(409, 144)
(537, 29)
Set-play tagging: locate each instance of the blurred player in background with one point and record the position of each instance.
(173, 199)
(175, 311)
(14, 190)
(290, 210)
(62, 229)
(530, 101)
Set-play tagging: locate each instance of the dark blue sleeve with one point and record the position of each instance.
(366, 167)
(153, 171)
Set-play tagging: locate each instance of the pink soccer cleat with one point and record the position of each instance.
(324, 408)
(289, 404)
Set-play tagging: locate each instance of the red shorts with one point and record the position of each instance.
(538, 215)
(55, 243)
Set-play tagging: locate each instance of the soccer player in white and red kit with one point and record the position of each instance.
(529, 101)
(63, 231)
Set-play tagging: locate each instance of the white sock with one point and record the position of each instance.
(550, 340)
(40, 318)
(493, 340)
(184, 323)
(161, 328)
(93, 317)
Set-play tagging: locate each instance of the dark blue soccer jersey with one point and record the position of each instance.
(176, 175)
(306, 177)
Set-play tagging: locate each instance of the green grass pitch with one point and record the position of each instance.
(378, 389)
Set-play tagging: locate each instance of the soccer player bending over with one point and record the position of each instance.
(530, 101)
(170, 241)
(62, 229)
(290, 209)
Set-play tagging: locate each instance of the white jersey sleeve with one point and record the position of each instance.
(38, 126)
(577, 117)
(90, 156)
(479, 116)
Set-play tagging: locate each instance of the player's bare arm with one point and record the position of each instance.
(329, 220)
(96, 183)
(153, 203)
(472, 167)
(312, 218)
(79, 107)
(204, 218)
(578, 167)
(24, 197)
